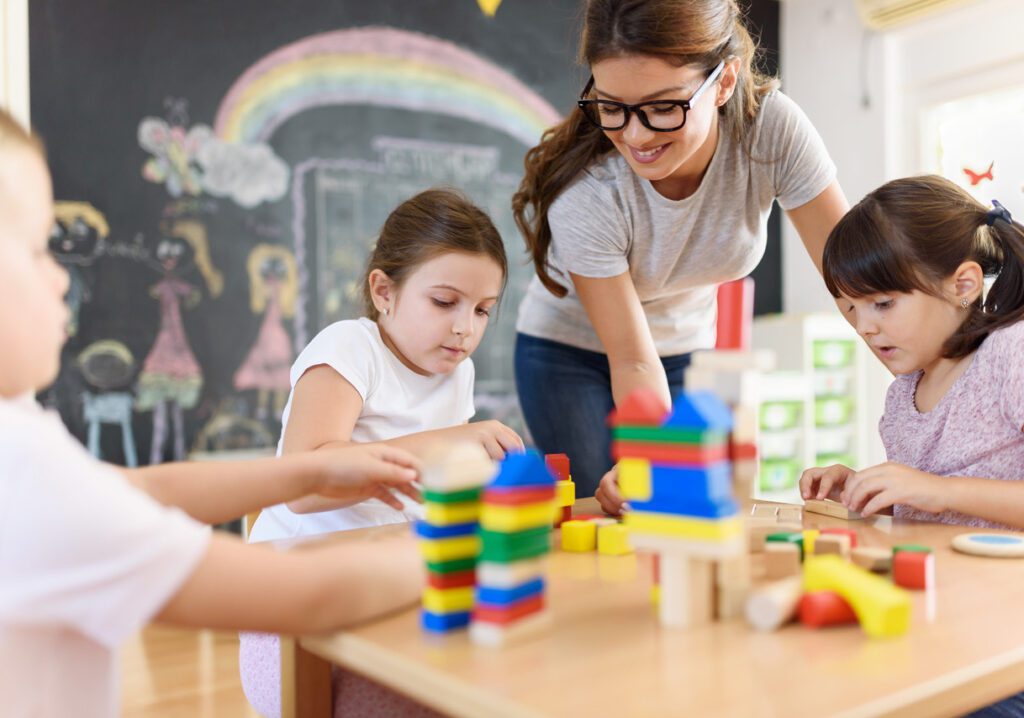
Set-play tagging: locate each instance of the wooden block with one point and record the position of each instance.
(510, 575)
(824, 608)
(873, 559)
(832, 543)
(686, 591)
(448, 514)
(685, 527)
(791, 514)
(758, 532)
(558, 464)
(449, 549)
(565, 493)
(509, 519)
(712, 550)
(834, 531)
(810, 536)
(794, 537)
(911, 569)
(448, 600)
(495, 635)
(882, 609)
(774, 604)
(781, 559)
(564, 514)
(732, 586)
(613, 540)
(765, 511)
(635, 479)
(579, 536)
(451, 467)
(828, 507)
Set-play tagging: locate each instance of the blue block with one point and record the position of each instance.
(526, 469)
(699, 410)
(506, 596)
(700, 508)
(712, 482)
(429, 531)
(443, 622)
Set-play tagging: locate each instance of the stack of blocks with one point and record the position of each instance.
(452, 480)
(565, 489)
(515, 532)
(675, 473)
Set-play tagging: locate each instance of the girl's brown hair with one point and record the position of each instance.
(432, 223)
(683, 32)
(912, 234)
(11, 132)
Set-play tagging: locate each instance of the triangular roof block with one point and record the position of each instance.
(526, 469)
(642, 407)
(700, 410)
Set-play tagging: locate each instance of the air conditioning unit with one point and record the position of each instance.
(889, 14)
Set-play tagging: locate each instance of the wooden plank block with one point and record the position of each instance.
(830, 508)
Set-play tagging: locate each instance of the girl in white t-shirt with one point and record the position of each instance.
(401, 375)
(90, 553)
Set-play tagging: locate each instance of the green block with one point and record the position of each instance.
(910, 548)
(453, 566)
(693, 437)
(788, 537)
(452, 497)
(504, 547)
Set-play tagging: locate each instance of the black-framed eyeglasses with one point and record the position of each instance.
(656, 115)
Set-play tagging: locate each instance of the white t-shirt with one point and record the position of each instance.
(396, 401)
(677, 252)
(86, 559)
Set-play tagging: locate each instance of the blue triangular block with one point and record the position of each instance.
(526, 469)
(700, 410)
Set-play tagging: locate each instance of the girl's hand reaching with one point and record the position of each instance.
(496, 438)
(365, 471)
(824, 482)
(881, 486)
(608, 493)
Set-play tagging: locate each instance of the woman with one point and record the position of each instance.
(650, 194)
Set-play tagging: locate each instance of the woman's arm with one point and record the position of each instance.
(256, 588)
(614, 310)
(816, 219)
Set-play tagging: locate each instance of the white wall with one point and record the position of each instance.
(14, 58)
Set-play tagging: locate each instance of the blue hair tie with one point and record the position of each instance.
(998, 211)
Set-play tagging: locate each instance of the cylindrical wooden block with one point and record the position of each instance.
(774, 604)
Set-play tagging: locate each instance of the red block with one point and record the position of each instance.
(824, 608)
(564, 515)
(641, 408)
(670, 453)
(559, 465)
(517, 495)
(512, 612)
(844, 532)
(735, 314)
(911, 569)
(738, 452)
(458, 579)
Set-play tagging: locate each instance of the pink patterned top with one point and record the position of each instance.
(974, 430)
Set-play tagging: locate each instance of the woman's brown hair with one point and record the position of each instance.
(912, 234)
(434, 222)
(683, 32)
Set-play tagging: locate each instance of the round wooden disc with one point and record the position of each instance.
(983, 544)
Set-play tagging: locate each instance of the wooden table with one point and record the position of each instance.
(606, 654)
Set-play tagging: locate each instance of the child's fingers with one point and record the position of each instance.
(494, 449)
(808, 479)
(398, 456)
(388, 498)
(881, 500)
(409, 490)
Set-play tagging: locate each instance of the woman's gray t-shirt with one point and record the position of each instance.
(609, 221)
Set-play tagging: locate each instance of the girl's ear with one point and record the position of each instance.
(968, 282)
(382, 290)
(727, 81)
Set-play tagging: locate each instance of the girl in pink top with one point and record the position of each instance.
(907, 267)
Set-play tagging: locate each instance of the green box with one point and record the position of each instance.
(833, 353)
(833, 411)
(778, 474)
(776, 415)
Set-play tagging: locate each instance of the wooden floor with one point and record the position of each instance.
(175, 673)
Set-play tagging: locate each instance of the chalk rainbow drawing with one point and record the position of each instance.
(384, 67)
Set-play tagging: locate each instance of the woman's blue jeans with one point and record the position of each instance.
(566, 395)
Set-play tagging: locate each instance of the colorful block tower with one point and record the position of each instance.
(675, 473)
(453, 478)
(515, 535)
(565, 489)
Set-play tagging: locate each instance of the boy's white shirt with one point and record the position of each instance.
(396, 402)
(86, 559)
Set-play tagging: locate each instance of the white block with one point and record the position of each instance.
(452, 467)
(495, 635)
(510, 575)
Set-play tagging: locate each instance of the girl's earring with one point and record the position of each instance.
(385, 311)
(964, 303)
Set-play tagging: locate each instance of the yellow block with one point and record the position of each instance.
(882, 608)
(685, 527)
(448, 514)
(565, 493)
(449, 549)
(809, 537)
(655, 594)
(448, 600)
(613, 540)
(579, 536)
(517, 518)
(635, 479)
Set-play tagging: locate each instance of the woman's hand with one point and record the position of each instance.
(824, 482)
(365, 471)
(881, 486)
(608, 493)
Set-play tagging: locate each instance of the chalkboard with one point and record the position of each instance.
(222, 169)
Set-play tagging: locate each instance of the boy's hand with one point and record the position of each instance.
(881, 486)
(366, 471)
(496, 438)
(824, 482)
(608, 493)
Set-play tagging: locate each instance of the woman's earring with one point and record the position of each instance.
(964, 303)
(385, 310)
